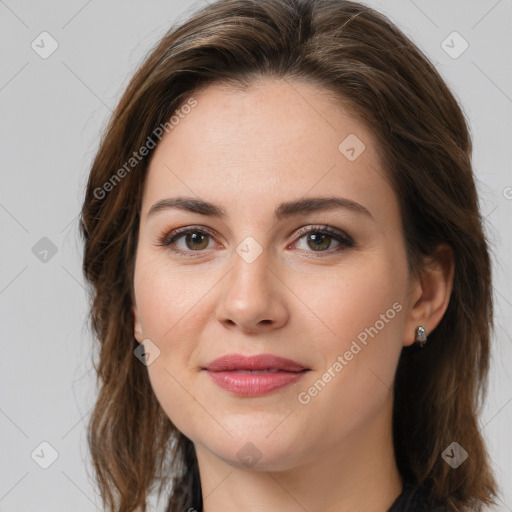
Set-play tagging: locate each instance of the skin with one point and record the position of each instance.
(248, 151)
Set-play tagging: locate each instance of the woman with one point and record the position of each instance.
(280, 227)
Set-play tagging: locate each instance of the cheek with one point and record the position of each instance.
(345, 302)
(171, 302)
(358, 314)
(168, 297)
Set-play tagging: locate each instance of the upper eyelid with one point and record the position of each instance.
(322, 228)
(175, 233)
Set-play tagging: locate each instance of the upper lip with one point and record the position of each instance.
(258, 362)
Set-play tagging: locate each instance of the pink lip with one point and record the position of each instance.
(228, 373)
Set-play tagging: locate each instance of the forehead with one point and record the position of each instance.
(276, 138)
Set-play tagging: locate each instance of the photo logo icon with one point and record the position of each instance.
(44, 249)
(351, 147)
(454, 45)
(147, 352)
(454, 455)
(249, 249)
(44, 45)
(44, 455)
(249, 455)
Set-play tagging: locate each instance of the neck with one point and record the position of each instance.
(359, 474)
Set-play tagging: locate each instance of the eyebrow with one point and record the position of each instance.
(288, 209)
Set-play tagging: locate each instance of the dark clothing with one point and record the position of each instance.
(414, 498)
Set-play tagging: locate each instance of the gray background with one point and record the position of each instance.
(52, 113)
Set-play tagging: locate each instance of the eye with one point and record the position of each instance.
(195, 239)
(320, 238)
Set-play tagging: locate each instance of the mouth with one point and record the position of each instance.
(251, 376)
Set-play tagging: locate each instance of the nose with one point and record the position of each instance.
(253, 296)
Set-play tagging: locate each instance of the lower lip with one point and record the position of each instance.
(254, 384)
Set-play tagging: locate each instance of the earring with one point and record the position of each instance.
(421, 335)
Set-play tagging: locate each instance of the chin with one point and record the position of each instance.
(258, 453)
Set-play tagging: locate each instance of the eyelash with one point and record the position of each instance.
(344, 240)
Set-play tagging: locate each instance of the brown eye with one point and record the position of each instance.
(186, 241)
(319, 239)
(195, 240)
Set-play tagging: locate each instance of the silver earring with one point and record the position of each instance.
(421, 335)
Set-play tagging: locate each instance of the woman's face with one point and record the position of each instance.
(250, 282)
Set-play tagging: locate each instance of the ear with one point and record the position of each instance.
(430, 293)
(137, 327)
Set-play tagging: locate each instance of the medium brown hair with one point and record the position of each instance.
(375, 71)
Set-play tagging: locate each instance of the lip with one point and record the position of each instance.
(230, 362)
(232, 373)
